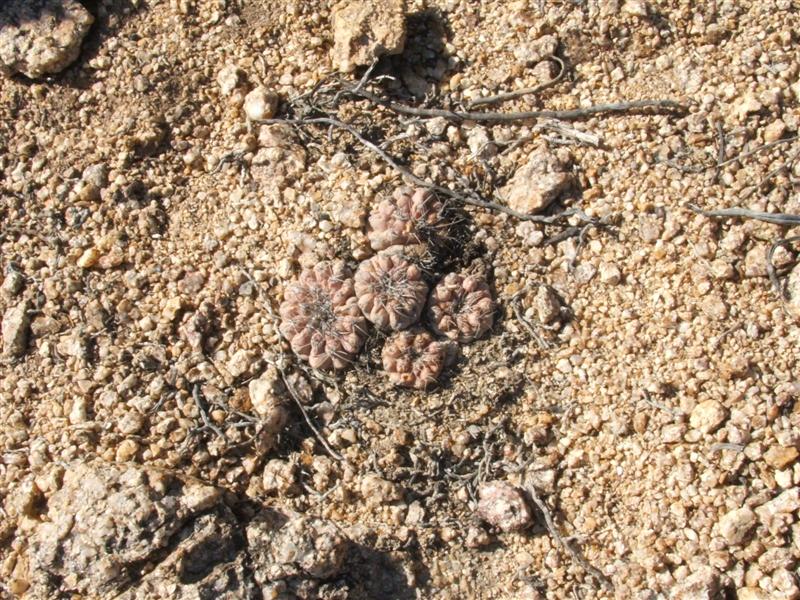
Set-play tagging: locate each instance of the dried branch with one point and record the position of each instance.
(657, 106)
(582, 137)
(667, 409)
(720, 150)
(515, 306)
(562, 69)
(719, 163)
(755, 151)
(207, 424)
(553, 530)
(745, 213)
(773, 276)
(787, 165)
(471, 198)
(317, 434)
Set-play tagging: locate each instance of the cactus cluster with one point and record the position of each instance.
(325, 312)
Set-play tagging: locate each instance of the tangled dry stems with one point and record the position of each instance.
(320, 316)
(461, 307)
(391, 292)
(413, 358)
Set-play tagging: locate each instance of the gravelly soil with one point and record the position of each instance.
(641, 377)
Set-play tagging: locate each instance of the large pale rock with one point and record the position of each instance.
(209, 561)
(41, 37)
(137, 533)
(537, 183)
(778, 514)
(280, 155)
(107, 520)
(267, 395)
(261, 103)
(365, 30)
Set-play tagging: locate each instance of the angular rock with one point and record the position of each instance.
(208, 562)
(137, 533)
(736, 525)
(537, 183)
(13, 283)
(266, 391)
(752, 593)
(778, 514)
(41, 37)
(547, 304)
(242, 362)
(774, 131)
(746, 106)
(708, 416)
(279, 477)
(196, 328)
(703, 584)
(280, 154)
(267, 395)
(503, 506)
(530, 53)
(610, 274)
(779, 457)
(16, 326)
(364, 31)
(637, 8)
(480, 144)
(293, 550)
(229, 78)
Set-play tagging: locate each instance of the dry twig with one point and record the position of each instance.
(515, 306)
(471, 198)
(745, 213)
(293, 393)
(575, 114)
(757, 150)
(553, 530)
(773, 275)
(497, 98)
(672, 411)
(207, 424)
(719, 163)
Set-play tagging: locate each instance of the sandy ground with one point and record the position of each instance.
(641, 378)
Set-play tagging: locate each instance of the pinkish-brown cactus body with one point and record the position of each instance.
(413, 358)
(391, 292)
(410, 217)
(461, 307)
(320, 316)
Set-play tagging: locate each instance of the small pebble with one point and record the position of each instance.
(229, 78)
(260, 104)
(708, 416)
(779, 457)
(736, 525)
(610, 274)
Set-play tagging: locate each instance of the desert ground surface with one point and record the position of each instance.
(624, 422)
